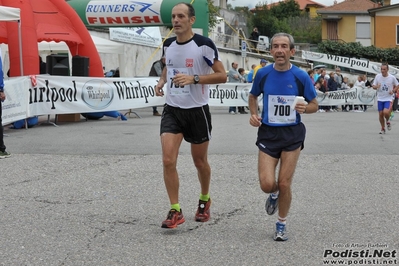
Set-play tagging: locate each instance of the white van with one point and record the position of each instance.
(263, 43)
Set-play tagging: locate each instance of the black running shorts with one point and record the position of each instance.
(274, 140)
(195, 123)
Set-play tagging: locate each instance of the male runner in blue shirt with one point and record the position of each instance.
(281, 134)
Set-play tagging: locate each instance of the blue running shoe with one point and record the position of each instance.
(391, 116)
(271, 205)
(280, 234)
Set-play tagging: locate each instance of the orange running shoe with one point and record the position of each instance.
(173, 219)
(203, 212)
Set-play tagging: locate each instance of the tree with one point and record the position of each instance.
(263, 19)
(286, 16)
(285, 9)
(213, 13)
(305, 29)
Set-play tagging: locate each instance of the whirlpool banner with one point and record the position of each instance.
(62, 95)
(50, 95)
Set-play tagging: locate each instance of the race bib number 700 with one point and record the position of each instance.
(279, 109)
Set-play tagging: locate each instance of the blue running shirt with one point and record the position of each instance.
(279, 89)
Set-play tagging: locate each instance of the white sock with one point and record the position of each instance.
(282, 220)
(275, 195)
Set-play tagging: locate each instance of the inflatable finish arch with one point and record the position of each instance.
(124, 13)
(66, 20)
(47, 20)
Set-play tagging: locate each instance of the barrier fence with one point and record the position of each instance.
(53, 95)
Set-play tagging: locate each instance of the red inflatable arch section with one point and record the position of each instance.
(46, 20)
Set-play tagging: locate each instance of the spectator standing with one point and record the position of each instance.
(332, 86)
(241, 71)
(156, 71)
(351, 85)
(3, 152)
(251, 74)
(233, 77)
(254, 37)
(367, 84)
(345, 86)
(317, 74)
(317, 85)
(311, 75)
(361, 84)
(338, 77)
(262, 63)
(193, 64)
(325, 76)
(323, 89)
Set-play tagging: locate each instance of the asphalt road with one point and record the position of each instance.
(92, 193)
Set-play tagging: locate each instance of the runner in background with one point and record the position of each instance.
(386, 86)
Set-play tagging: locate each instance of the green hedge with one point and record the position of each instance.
(355, 49)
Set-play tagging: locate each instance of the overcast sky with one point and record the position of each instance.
(253, 3)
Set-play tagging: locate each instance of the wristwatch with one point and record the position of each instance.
(196, 79)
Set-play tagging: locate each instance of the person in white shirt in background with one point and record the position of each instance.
(386, 85)
(361, 84)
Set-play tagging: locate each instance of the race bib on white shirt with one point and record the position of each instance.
(174, 89)
(280, 111)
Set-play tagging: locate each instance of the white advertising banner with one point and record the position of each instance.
(230, 94)
(62, 95)
(147, 36)
(51, 95)
(353, 96)
(15, 107)
(354, 63)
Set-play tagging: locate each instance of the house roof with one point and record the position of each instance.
(382, 8)
(302, 5)
(349, 7)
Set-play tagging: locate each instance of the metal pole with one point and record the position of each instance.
(21, 65)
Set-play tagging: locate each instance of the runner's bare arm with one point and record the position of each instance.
(311, 107)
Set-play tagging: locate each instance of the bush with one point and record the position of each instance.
(356, 50)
